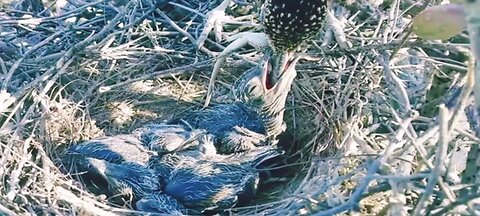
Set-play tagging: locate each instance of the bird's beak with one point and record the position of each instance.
(278, 69)
(266, 76)
(280, 63)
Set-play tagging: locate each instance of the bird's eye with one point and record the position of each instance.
(251, 89)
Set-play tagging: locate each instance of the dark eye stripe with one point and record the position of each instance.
(250, 90)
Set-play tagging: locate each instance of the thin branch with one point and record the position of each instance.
(440, 156)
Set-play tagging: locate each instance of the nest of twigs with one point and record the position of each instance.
(363, 121)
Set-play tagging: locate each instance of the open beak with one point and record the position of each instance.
(266, 67)
(273, 68)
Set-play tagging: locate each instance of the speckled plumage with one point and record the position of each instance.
(288, 23)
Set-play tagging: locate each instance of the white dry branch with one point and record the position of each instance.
(367, 130)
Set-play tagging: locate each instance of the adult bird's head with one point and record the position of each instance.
(266, 93)
(288, 24)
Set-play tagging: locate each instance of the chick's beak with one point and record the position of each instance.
(276, 69)
(266, 75)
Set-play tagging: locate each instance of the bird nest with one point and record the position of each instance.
(362, 116)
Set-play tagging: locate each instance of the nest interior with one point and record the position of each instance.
(77, 70)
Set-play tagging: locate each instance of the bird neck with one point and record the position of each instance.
(274, 125)
(273, 108)
(272, 114)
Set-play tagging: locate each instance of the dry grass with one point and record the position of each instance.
(364, 127)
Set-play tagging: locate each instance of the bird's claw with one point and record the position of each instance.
(255, 39)
(214, 20)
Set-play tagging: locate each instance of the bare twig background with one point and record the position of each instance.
(366, 129)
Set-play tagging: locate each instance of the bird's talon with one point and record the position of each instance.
(255, 39)
(214, 20)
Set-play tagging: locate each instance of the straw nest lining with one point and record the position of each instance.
(361, 124)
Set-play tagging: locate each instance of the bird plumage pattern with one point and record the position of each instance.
(288, 23)
(190, 180)
(256, 116)
(207, 159)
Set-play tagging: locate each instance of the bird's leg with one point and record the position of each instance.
(214, 21)
(257, 40)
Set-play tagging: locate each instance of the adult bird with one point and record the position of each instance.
(286, 24)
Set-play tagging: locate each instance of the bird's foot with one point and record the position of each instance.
(255, 39)
(258, 40)
(214, 20)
